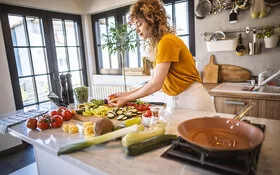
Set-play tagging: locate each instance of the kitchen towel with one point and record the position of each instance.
(18, 118)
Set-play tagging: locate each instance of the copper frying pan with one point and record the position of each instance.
(221, 134)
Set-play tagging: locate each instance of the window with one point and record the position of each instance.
(40, 46)
(181, 16)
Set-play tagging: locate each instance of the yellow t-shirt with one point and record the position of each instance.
(182, 72)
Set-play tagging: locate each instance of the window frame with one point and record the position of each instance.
(118, 14)
(50, 47)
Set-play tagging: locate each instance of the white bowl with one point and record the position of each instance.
(146, 120)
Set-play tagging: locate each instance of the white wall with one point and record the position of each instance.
(96, 6)
(7, 103)
(269, 59)
(67, 6)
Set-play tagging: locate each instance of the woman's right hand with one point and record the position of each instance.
(117, 94)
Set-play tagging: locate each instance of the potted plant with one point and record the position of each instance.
(270, 35)
(121, 39)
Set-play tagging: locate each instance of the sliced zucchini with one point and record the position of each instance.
(112, 112)
(134, 110)
(80, 111)
(133, 114)
(119, 112)
(124, 118)
(120, 117)
(128, 114)
(110, 115)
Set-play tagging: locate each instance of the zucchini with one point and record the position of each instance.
(134, 110)
(119, 112)
(110, 115)
(80, 111)
(120, 117)
(124, 118)
(150, 144)
(138, 137)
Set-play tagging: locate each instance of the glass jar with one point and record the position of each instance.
(156, 119)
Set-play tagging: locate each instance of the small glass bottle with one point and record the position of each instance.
(156, 120)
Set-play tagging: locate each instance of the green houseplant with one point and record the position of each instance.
(120, 39)
(270, 35)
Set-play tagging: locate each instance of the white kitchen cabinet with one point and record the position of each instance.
(8, 141)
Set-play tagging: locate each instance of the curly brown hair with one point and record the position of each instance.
(153, 12)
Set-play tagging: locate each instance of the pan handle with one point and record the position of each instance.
(234, 102)
(244, 111)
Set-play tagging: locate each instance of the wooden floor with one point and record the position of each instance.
(16, 158)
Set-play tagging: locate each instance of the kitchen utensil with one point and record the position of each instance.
(240, 49)
(232, 73)
(218, 35)
(210, 71)
(254, 47)
(272, 2)
(242, 4)
(203, 8)
(198, 17)
(233, 14)
(217, 134)
(251, 48)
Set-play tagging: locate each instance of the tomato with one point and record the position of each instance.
(112, 96)
(31, 123)
(61, 109)
(67, 115)
(54, 112)
(44, 123)
(56, 121)
(148, 113)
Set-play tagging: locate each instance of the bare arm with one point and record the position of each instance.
(154, 85)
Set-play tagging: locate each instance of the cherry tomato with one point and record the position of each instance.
(44, 123)
(54, 112)
(146, 107)
(148, 113)
(112, 96)
(31, 123)
(67, 115)
(56, 121)
(61, 109)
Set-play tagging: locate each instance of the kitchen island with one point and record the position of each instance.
(109, 158)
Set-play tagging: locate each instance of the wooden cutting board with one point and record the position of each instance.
(231, 73)
(210, 72)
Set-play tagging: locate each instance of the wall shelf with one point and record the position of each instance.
(246, 30)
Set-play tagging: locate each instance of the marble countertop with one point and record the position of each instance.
(109, 158)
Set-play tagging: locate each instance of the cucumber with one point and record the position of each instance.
(150, 144)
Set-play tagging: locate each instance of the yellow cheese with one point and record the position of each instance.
(73, 128)
(87, 124)
(88, 130)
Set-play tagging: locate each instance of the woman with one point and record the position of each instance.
(174, 67)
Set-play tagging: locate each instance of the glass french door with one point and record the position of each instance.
(31, 58)
(43, 48)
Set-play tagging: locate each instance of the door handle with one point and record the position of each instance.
(234, 102)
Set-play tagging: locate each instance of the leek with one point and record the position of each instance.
(82, 144)
(138, 137)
